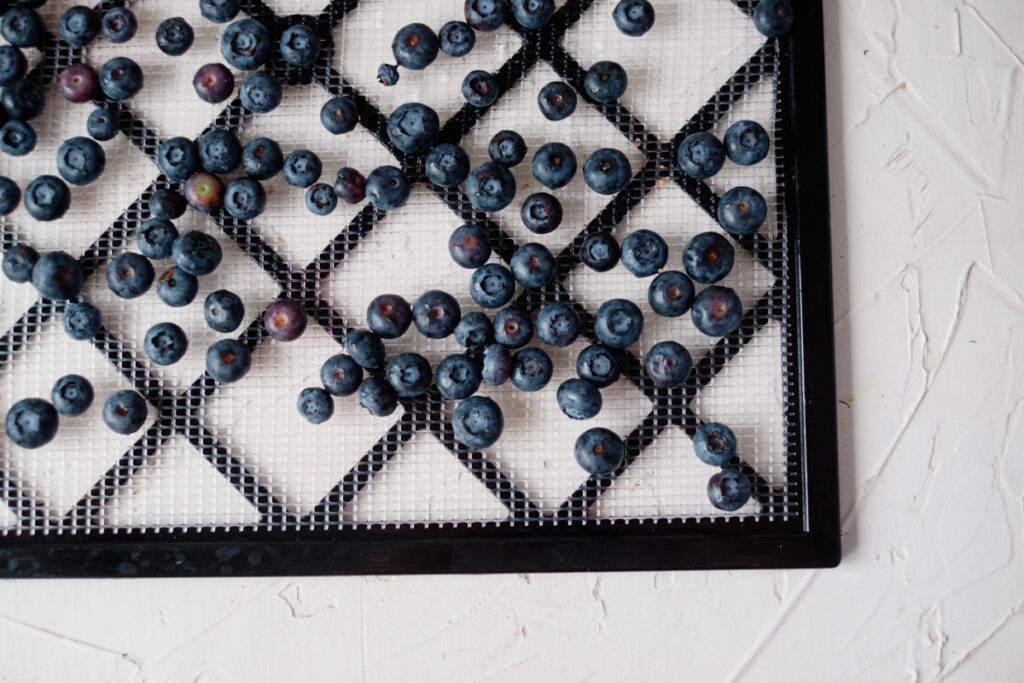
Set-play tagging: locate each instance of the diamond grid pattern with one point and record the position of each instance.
(183, 413)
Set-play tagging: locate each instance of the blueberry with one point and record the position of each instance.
(125, 411)
(174, 36)
(260, 92)
(47, 198)
(23, 99)
(477, 421)
(531, 369)
(57, 276)
(513, 327)
(491, 187)
(714, 444)
(321, 199)
(177, 158)
(78, 25)
(605, 81)
(10, 195)
(176, 288)
(285, 320)
(668, 363)
(22, 27)
(773, 18)
(701, 155)
(644, 253)
(497, 364)
(245, 198)
(492, 285)
(166, 204)
(532, 265)
(600, 251)
(223, 310)
(17, 138)
(78, 83)
(341, 375)
(13, 64)
(447, 165)
(557, 324)
(389, 316)
(81, 321)
(474, 330)
(716, 311)
(101, 125)
(458, 376)
(728, 490)
(634, 17)
(119, 25)
(245, 44)
(415, 46)
(228, 360)
(387, 187)
(409, 374)
(607, 171)
(129, 275)
(315, 404)
(541, 213)
(71, 395)
(204, 192)
(165, 343)
(300, 45)
(746, 142)
(598, 365)
(120, 78)
(377, 397)
(339, 115)
(413, 128)
(436, 314)
(350, 185)
(618, 323)
(469, 246)
(219, 11)
(262, 158)
(554, 165)
(742, 210)
(31, 423)
(19, 261)
(670, 294)
(557, 100)
(579, 399)
(302, 168)
(708, 257)
(485, 15)
(365, 348)
(196, 252)
(533, 13)
(456, 38)
(387, 74)
(219, 151)
(480, 89)
(599, 451)
(507, 148)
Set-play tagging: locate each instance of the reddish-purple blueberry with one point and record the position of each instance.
(78, 83)
(204, 192)
(285, 320)
(214, 83)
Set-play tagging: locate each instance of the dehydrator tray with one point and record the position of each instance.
(229, 479)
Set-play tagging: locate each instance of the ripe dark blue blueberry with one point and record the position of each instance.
(480, 88)
(165, 343)
(773, 18)
(219, 151)
(634, 17)
(57, 276)
(456, 38)
(742, 211)
(377, 397)
(541, 213)
(513, 327)
(668, 363)
(497, 364)
(204, 192)
(81, 320)
(414, 128)
(285, 320)
(129, 275)
(557, 100)
(245, 198)
(605, 81)
(101, 125)
(507, 148)
(599, 451)
(80, 160)
(341, 375)
(300, 45)
(533, 13)
(389, 315)
(262, 158)
(644, 253)
(458, 376)
(387, 74)
(600, 251)
(670, 294)
(716, 311)
(339, 115)
(491, 187)
(557, 324)
(223, 310)
(477, 422)
(554, 165)
(228, 360)
(31, 423)
(125, 411)
(492, 285)
(701, 155)
(746, 142)
(79, 83)
(13, 64)
(155, 238)
(531, 369)
(598, 365)
(47, 198)
(119, 25)
(245, 44)
(177, 158)
(607, 171)
(71, 395)
(121, 78)
(219, 11)
(22, 27)
(447, 165)
(260, 92)
(176, 288)
(321, 199)
(78, 25)
(10, 195)
(17, 138)
(618, 323)
(365, 348)
(415, 46)
(197, 253)
(315, 404)
(302, 168)
(474, 330)
(387, 187)
(19, 261)
(350, 185)
(485, 15)
(436, 314)
(174, 36)
(714, 444)
(579, 399)
(729, 490)
(532, 265)
(23, 99)
(409, 374)
(469, 246)
(708, 257)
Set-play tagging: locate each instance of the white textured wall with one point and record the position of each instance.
(926, 110)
